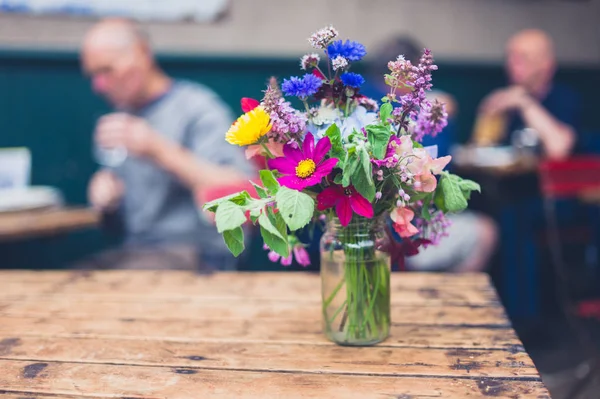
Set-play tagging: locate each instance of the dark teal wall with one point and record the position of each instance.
(46, 105)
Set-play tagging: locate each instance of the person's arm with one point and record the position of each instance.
(203, 161)
(193, 171)
(557, 138)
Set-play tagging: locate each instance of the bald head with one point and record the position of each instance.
(530, 59)
(115, 34)
(116, 55)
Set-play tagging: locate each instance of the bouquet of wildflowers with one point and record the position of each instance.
(344, 158)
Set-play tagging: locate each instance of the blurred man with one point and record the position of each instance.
(173, 135)
(530, 101)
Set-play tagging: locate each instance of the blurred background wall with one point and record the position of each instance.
(474, 30)
(46, 105)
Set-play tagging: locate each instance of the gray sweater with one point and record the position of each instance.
(157, 209)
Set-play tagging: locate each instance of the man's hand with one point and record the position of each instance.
(499, 101)
(133, 133)
(105, 191)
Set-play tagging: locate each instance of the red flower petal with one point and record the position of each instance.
(344, 211)
(318, 74)
(248, 104)
(361, 205)
(329, 197)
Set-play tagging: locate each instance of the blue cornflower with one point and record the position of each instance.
(301, 87)
(351, 50)
(352, 79)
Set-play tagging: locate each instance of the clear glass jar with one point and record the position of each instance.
(355, 281)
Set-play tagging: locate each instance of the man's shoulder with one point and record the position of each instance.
(194, 91)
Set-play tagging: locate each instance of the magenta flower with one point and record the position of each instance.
(304, 167)
(346, 201)
(298, 252)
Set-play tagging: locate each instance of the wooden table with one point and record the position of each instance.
(27, 224)
(123, 334)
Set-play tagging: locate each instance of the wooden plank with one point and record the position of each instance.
(267, 330)
(139, 280)
(19, 225)
(421, 297)
(271, 286)
(250, 309)
(175, 383)
(264, 356)
(28, 395)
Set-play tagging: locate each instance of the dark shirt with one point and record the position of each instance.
(562, 102)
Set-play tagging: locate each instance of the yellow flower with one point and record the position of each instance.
(249, 127)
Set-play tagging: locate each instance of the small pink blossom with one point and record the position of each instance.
(402, 218)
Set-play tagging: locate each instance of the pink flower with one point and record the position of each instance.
(346, 201)
(402, 218)
(301, 255)
(304, 167)
(298, 252)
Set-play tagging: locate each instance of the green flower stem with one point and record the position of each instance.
(264, 146)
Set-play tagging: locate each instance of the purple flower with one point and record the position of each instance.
(303, 87)
(304, 167)
(352, 79)
(350, 50)
(432, 119)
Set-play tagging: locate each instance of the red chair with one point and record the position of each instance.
(573, 178)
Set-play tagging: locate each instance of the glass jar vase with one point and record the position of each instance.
(355, 281)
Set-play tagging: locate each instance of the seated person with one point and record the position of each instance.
(531, 100)
(471, 237)
(173, 135)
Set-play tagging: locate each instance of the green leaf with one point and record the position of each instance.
(426, 211)
(241, 198)
(454, 200)
(337, 147)
(337, 179)
(350, 166)
(277, 221)
(362, 179)
(385, 112)
(469, 185)
(274, 242)
(295, 207)
(262, 193)
(269, 181)
(229, 216)
(438, 199)
(234, 239)
(379, 137)
(266, 223)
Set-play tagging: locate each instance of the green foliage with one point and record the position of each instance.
(296, 208)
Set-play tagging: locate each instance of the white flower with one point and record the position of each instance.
(327, 116)
(321, 38)
(339, 62)
(309, 61)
